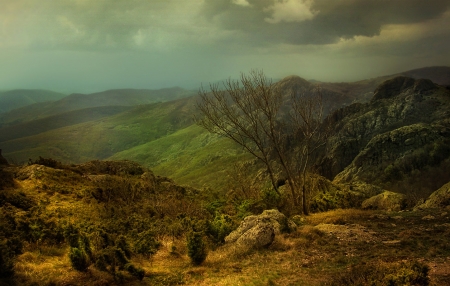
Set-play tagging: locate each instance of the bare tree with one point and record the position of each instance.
(282, 132)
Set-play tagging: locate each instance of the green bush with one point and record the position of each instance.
(220, 227)
(196, 248)
(146, 243)
(244, 208)
(78, 259)
(270, 198)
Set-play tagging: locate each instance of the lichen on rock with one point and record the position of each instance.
(258, 231)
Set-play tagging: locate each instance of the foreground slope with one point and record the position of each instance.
(121, 207)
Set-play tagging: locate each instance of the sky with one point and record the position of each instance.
(94, 45)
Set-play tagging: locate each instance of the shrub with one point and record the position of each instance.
(244, 208)
(135, 271)
(220, 227)
(389, 274)
(6, 259)
(48, 162)
(78, 259)
(196, 248)
(147, 243)
(270, 198)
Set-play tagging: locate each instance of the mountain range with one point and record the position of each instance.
(156, 127)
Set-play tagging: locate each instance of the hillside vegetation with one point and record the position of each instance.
(189, 207)
(13, 99)
(115, 223)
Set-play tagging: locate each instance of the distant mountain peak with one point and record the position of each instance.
(293, 82)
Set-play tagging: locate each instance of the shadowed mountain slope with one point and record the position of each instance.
(403, 131)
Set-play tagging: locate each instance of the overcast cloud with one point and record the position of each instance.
(85, 45)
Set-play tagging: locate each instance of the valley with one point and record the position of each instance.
(124, 187)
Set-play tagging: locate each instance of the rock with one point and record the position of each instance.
(392, 87)
(385, 201)
(259, 236)
(257, 231)
(374, 141)
(438, 199)
(428, 217)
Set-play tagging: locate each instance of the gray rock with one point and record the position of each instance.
(438, 199)
(258, 231)
(259, 236)
(404, 116)
(385, 201)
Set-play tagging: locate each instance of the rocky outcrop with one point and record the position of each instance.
(438, 199)
(406, 122)
(387, 200)
(258, 231)
(397, 85)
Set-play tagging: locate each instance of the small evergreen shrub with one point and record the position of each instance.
(220, 227)
(196, 248)
(78, 259)
(147, 243)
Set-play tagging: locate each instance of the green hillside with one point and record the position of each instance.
(34, 127)
(21, 97)
(190, 156)
(116, 97)
(104, 137)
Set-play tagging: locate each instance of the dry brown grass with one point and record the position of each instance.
(339, 216)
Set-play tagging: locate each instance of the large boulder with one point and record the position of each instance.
(438, 199)
(258, 231)
(385, 201)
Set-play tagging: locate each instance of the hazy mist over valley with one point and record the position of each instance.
(224, 142)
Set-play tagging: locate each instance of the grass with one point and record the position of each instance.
(325, 245)
(101, 138)
(190, 156)
(304, 257)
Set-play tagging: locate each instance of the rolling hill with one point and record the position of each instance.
(103, 137)
(161, 135)
(17, 98)
(116, 97)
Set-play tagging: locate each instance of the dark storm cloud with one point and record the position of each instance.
(92, 45)
(330, 20)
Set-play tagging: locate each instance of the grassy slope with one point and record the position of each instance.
(102, 138)
(20, 97)
(34, 127)
(189, 156)
(122, 97)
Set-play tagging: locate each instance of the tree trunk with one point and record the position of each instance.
(304, 200)
(293, 191)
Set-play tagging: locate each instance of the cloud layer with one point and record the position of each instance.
(215, 38)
